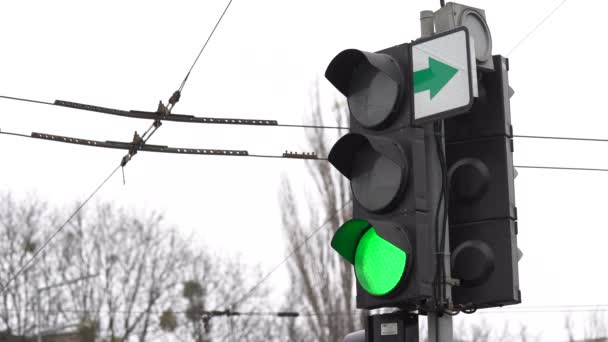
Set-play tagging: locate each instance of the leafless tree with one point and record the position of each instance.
(131, 269)
(484, 332)
(321, 283)
(23, 224)
(569, 326)
(222, 284)
(596, 326)
(131, 264)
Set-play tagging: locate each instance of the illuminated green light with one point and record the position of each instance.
(379, 265)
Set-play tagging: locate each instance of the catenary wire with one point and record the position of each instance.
(52, 236)
(295, 314)
(325, 159)
(289, 255)
(26, 100)
(559, 138)
(223, 121)
(158, 149)
(535, 28)
(181, 87)
(560, 168)
(331, 127)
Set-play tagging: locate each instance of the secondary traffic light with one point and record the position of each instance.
(388, 240)
(454, 15)
(482, 210)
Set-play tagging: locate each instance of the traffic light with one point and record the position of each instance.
(482, 212)
(388, 241)
(454, 15)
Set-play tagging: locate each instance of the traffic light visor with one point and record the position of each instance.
(372, 83)
(347, 237)
(379, 264)
(377, 168)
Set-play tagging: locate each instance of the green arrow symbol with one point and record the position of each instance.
(434, 78)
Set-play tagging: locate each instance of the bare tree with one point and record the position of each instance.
(23, 224)
(217, 305)
(484, 332)
(569, 326)
(132, 261)
(131, 270)
(321, 283)
(596, 326)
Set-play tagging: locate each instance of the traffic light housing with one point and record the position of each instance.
(454, 15)
(388, 241)
(482, 212)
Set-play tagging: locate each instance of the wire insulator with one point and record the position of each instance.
(175, 97)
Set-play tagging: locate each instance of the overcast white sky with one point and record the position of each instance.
(262, 63)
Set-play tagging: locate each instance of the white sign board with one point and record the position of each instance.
(443, 75)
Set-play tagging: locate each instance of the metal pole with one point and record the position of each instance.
(439, 325)
(427, 26)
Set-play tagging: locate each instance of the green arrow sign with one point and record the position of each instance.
(434, 78)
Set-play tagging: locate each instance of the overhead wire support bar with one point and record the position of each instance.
(215, 313)
(137, 146)
(163, 113)
(187, 118)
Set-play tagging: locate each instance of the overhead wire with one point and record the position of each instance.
(314, 157)
(133, 146)
(560, 168)
(559, 138)
(172, 117)
(181, 87)
(289, 255)
(313, 126)
(295, 314)
(535, 28)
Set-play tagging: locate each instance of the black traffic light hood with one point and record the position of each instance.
(340, 69)
(343, 153)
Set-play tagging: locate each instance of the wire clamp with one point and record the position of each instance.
(162, 110)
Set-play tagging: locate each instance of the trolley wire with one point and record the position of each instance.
(170, 117)
(559, 138)
(134, 147)
(290, 254)
(535, 28)
(244, 153)
(54, 234)
(296, 314)
(181, 87)
(560, 168)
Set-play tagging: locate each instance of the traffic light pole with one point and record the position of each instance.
(439, 324)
